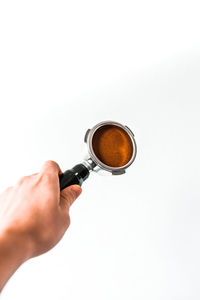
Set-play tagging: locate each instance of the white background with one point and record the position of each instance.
(67, 65)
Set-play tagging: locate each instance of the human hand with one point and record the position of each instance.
(34, 216)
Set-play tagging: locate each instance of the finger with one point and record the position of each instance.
(50, 167)
(69, 195)
(49, 174)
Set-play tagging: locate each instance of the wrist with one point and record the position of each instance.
(15, 244)
(14, 251)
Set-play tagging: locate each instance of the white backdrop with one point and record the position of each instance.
(67, 65)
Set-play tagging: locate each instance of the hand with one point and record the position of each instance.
(34, 216)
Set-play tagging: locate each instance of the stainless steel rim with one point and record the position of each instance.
(95, 158)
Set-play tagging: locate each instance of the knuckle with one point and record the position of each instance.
(8, 189)
(50, 166)
(51, 163)
(22, 180)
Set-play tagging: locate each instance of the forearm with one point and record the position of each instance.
(34, 216)
(13, 253)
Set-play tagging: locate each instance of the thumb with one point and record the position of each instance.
(69, 195)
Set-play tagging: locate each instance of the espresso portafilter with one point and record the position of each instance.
(111, 147)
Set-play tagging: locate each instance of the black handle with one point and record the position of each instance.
(76, 175)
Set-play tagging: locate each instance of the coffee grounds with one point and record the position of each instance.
(112, 145)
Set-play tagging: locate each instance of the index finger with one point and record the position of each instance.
(51, 167)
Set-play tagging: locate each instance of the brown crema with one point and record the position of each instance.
(112, 146)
